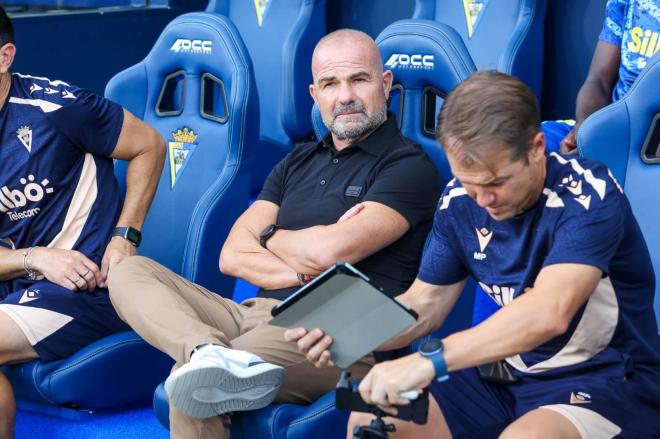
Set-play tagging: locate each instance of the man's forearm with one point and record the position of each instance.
(432, 304)
(592, 97)
(142, 178)
(255, 264)
(11, 264)
(297, 249)
(522, 325)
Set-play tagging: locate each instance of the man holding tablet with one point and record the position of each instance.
(573, 351)
(353, 196)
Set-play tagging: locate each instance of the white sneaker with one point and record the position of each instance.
(219, 380)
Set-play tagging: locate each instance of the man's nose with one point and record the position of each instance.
(346, 94)
(484, 197)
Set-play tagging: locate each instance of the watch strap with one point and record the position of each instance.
(132, 235)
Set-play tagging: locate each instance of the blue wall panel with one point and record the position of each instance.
(87, 48)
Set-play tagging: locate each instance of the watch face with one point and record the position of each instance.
(133, 235)
(431, 346)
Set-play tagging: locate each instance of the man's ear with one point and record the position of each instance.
(312, 92)
(538, 147)
(387, 82)
(7, 53)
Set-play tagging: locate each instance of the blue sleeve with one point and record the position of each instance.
(90, 122)
(590, 236)
(613, 27)
(441, 264)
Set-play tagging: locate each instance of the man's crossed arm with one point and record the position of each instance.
(359, 233)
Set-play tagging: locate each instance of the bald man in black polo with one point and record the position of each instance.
(364, 194)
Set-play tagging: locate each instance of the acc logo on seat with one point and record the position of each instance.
(415, 61)
(192, 46)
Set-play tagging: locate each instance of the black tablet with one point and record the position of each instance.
(346, 305)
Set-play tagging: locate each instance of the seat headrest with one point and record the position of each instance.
(194, 42)
(424, 53)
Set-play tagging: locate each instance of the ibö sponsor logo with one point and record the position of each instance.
(182, 45)
(32, 191)
(406, 61)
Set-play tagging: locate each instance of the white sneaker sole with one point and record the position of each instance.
(205, 390)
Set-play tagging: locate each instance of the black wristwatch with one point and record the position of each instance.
(433, 350)
(267, 234)
(128, 233)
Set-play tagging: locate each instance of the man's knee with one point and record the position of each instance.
(128, 270)
(14, 345)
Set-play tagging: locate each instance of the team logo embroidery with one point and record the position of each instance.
(29, 296)
(35, 87)
(473, 10)
(580, 398)
(51, 91)
(66, 94)
(184, 143)
(484, 237)
(584, 200)
(24, 134)
(262, 7)
(574, 186)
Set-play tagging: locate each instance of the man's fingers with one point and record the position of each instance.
(309, 340)
(89, 278)
(294, 334)
(365, 388)
(103, 273)
(315, 352)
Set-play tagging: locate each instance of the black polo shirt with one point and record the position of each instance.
(315, 185)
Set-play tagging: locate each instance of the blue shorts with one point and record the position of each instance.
(59, 322)
(599, 405)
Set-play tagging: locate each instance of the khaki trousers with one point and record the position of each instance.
(175, 316)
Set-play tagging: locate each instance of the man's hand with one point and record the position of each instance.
(568, 145)
(314, 344)
(118, 248)
(386, 381)
(67, 268)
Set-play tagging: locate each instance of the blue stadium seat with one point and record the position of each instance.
(196, 88)
(506, 35)
(428, 59)
(626, 136)
(280, 37)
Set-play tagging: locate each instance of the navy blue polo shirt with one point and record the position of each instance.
(315, 185)
(582, 217)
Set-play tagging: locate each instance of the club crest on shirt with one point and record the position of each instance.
(183, 143)
(24, 134)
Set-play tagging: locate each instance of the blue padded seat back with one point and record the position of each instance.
(507, 35)
(616, 135)
(205, 181)
(281, 48)
(428, 59)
